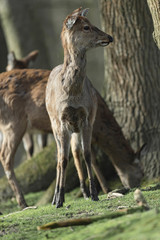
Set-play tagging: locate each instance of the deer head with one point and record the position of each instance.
(81, 34)
(14, 63)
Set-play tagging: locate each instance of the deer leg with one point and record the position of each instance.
(76, 151)
(56, 192)
(86, 146)
(44, 140)
(11, 139)
(99, 175)
(28, 144)
(62, 161)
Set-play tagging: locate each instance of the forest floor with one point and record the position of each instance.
(121, 218)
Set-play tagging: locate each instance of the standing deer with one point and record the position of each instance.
(70, 98)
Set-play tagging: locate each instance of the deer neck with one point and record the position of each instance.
(74, 71)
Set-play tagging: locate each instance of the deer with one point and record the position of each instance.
(23, 108)
(14, 63)
(75, 104)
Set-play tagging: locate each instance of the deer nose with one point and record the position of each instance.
(110, 38)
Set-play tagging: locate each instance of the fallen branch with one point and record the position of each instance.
(86, 221)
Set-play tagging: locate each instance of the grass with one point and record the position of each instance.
(136, 226)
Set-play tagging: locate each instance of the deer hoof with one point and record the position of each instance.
(59, 204)
(94, 198)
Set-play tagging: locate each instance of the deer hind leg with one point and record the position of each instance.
(11, 139)
(28, 144)
(44, 138)
(63, 144)
(86, 146)
(76, 151)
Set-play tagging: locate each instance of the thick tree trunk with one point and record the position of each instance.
(132, 72)
(154, 6)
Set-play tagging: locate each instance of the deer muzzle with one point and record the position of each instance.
(105, 42)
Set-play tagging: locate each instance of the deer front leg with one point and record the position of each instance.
(76, 151)
(56, 191)
(63, 140)
(86, 146)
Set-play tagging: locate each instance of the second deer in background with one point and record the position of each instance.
(14, 63)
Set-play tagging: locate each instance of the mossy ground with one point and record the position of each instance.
(135, 226)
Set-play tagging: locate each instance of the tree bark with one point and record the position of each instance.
(132, 86)
(154, 6)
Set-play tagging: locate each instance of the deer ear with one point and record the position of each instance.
(84, 12)
(142, 151)
(71, 21)
(73, 17)
(30, 57)
(11, 61)
(11, 57)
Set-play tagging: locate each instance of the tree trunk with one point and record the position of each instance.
(132, 72)
(154, 6)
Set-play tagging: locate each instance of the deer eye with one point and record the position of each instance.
(86, 28)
